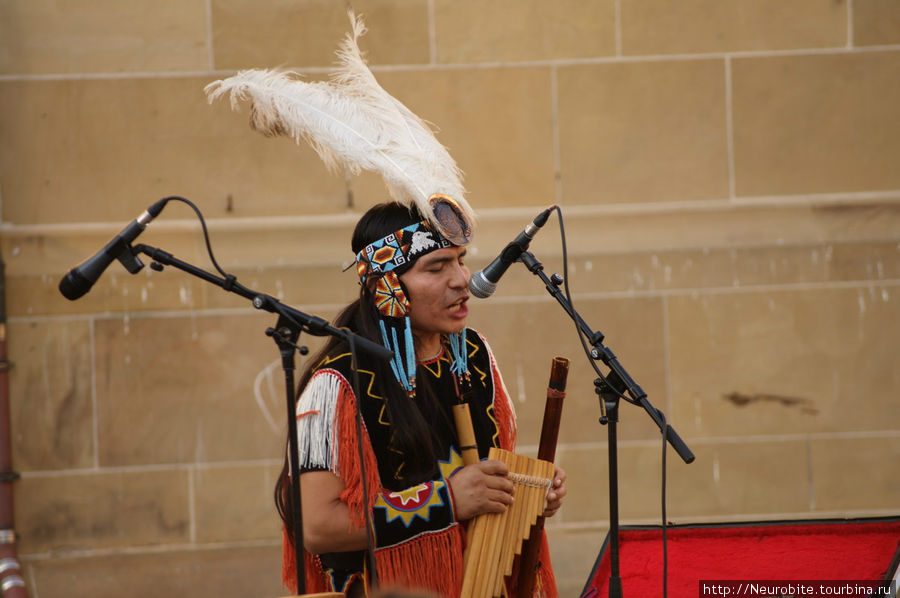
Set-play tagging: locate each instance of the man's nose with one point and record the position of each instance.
(460, 277)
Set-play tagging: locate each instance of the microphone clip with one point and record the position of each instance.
(128, 258)
(512, 252)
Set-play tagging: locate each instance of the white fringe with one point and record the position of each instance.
(317, 440)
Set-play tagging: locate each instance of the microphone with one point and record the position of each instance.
(483, 283)
(82, 277)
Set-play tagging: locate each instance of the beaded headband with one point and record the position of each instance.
(398, 250)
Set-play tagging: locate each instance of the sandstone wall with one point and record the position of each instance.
(728, 173)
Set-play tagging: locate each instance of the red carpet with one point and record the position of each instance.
(860, 549)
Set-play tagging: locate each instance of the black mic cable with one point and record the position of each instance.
(483, 283)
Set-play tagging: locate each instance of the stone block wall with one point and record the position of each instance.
(729, 179)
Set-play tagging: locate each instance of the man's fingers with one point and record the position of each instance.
(556, 493)
(498, 502)
(502, 496)
(495, 475)
(496, 482)
(493, 467)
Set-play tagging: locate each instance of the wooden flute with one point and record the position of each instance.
(556, 392)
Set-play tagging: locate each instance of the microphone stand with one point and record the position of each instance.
(291, 322)
(609, 390)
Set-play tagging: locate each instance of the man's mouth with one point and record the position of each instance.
(458, 305)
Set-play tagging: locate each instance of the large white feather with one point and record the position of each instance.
(352, 122)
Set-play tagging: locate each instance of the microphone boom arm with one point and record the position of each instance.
(618, 378)
(313, 325)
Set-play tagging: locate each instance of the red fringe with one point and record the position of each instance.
(316, 580)
(503, 412)
(288, 567)
(347, 459)
(399, 567)
(432, 562)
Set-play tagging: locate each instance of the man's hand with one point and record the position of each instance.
(481, 488)
(557, 492)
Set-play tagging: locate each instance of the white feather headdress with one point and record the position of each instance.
(352, 122)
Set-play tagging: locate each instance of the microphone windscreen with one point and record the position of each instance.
(74, 286)
(480, 286)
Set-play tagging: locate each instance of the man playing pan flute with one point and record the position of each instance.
(410, 257)
(421, 495)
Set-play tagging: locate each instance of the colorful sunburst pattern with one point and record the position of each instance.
(390, 299)
(412, 502)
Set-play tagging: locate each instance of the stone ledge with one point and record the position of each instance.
(590, 230)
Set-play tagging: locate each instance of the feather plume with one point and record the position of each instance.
(353, 123)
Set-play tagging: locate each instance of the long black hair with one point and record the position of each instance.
(411, 438)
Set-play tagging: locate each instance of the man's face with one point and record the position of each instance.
(438, 288)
